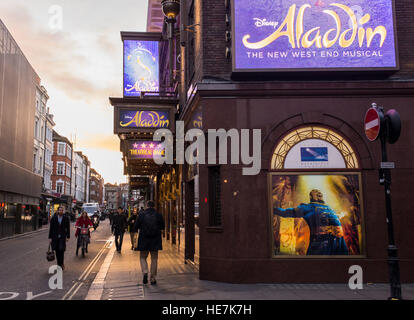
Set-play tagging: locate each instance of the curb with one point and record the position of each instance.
(24, 234)
(97, 287)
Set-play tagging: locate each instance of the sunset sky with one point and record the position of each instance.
(80, 67)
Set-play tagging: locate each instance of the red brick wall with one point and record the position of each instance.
(56, 158)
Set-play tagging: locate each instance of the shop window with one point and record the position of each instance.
(214, 196)
(316, 196)
(11, 210)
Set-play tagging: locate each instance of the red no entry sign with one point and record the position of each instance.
(372, 124)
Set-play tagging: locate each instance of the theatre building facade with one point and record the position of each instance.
(304, 73)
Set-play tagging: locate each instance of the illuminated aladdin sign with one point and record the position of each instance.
(145, 149)
(289, 35)
(141, 67)
(143, 119)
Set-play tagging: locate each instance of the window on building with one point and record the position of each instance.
(36, 128)
(68, 170)
(61, 148)
(60, 168)
(35, 161)
(69, 152)
(41, 164)
(49, 134)
(59, 187)
(214, 196)
(315, 191)
(67, 188)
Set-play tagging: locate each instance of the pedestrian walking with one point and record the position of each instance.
(119, 225)
(133, 232)
(150, 223)
(59, 234)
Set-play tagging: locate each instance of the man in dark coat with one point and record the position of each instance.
(133, 232)
(119, 225)
(150, 223)
(59, 234)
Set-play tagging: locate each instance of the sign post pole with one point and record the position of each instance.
(393, 261)
(388, 130)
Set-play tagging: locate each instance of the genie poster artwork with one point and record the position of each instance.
(141, 67)
(313, 34)
(316, 215)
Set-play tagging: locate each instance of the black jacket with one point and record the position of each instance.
(56, 229)
(119, 223)
(149, 243)
(131, 222)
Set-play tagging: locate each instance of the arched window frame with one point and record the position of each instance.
(297, 135)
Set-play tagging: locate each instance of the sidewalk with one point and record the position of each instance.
(25, 234)
(179, 281)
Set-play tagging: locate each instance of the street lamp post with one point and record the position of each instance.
(171, 9)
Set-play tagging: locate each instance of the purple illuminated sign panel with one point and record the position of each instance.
(145, 149)
(141, 67)
(289, 35)
(143, 119)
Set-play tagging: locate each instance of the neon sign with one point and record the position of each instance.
(145, 149)
(143, 119)
(313, 34)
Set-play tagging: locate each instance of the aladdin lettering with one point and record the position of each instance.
(300, 38)
(145, 119)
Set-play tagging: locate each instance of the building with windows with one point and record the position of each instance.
(20, 186)
(48, 163)
(40, 130)
(112, 196)
(48, 196)
(124, 195)
(62, 170)
(96, 187)
(305, 203)
(80, 178)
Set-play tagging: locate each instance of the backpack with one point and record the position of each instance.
(150, 225)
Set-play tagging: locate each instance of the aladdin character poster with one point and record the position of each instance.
(316, 214)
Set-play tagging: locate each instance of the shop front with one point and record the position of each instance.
(15, 217)
(316, 208)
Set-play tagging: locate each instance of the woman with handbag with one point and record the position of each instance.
(82, 226)
(59, 234)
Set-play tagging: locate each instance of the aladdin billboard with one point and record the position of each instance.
(143, 119)
(141, 67)
(306, 35)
